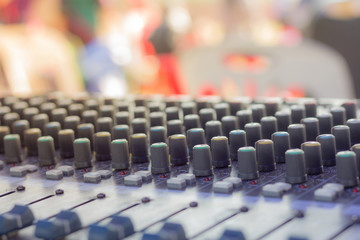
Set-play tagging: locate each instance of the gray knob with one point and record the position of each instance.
(220, 152)
(102, 146)
(339, 115)
(86, 130)
(311, 128)
(206, 114)
(104, 124)
(158, 134)
(107, 111)
(122, 118)
(19, 128)
(213, 128)
(46, 150)
(237, 140)
(342, 137)
(244, 117)
(66, 139)
(195, 136)
(265, 155)
(253, 133)
(247, 165)
(313, 161)
(120, 132)
(175, 126)
(58, 115)
(31, 136)
(268, 126)
(221, 109)
(178, 150)
(120, 157)
(157, 119)
(295, 166)
(52, 129)
(172, 113)
(310, 109)
(297, 135)
(350, 109)
(191, 121)
(258, 112)
(72, 122)
(229, 123)
(159, 158)
(4, 130)
(297, 113)
(283, 120)
(188, 108)
(9, 119)
(202, 160)
(271, 107)
(139, 148)
(354, 125)
(346, 169)
(328, 149)
(82, 153)
(281, 145)
(40, 121)
(325, 122)
(90, 116)
(140, 112)
(12, 148)
(139, 125)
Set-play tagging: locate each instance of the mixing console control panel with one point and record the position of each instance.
(151, 167)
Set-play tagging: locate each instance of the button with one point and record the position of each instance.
(338, 188)
(213, 128)
(105, 174)
(158, 134)
(139, 125)
(191, 121)
(295, 166)
(229, 123)
(178, 149)
(189, 178)
(66, 170)
(133, 180)
(237, 140)
(66, 139)
(176, 183)
(145, 175)
(120, 157)
(31, 136)
(328, 149)
(17, 218)
(46, 151)
(346, 169)
(202, 160)
(297, 113)
(342, 137)
(220, 152)
(18, 171)
(64, 223)
(104, 124)
(232, 235)
(253, 133)
(235, 181)
(92, 177)
(283, 186)
(297, 135)
(339, 115)
(30, 168)
(325, 122)
(139, 148)
(268, 126)
(54, 174)
(311, 128)
(327, 195)
(159, 158)
(223, 187)
(118, 228)
(82, 153)
(272, 190)
(313, 162)
(247, 164)
(244, 117)
(283, 120)
(102, 146)
(265, 155)
(173, 231)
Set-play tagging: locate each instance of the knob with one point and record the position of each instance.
(188, 108)
(354, 125)
(206, 114)
(283, 120)
(86, 130)
(46, 150)
(9, 119)
(31, 136)
(139, 125)
(350, 109)
(66, 139)
(213, 128)
(271, 107)
(191, 121)
(175, 126)
(178, 150)
(4, 130)
(39, 121)
(237, 140)
(328, 149)
(247, 164)
(325, 123)
(297, 113)
(58, 115)
(102, 146)
(120, 157)
(253, 133)
(297, 135)
(220, 152)
(313, 161)
(90, 116)
(19, 128)
(52, 129)
(158, 134)
(342, 137)
(346, 169)
(82, 153)
(265, 155)
(122, 118)
(172, 113)
(310, 108)
(202, 160)
(356, 150)
(157, 119)
(281, 145)
(159, 158)
(295, 166)
(311, 128)
(107, 111)
(139, 148)
(244, 117)
(222, 109)
(229, 123)
(120, 132)
(12, 148)
(268, 126)
(258, 112)
(72, 122)
(195, 136)
(140, 112)
(339, 115)
(104, 124)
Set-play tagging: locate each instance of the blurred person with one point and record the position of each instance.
(35, 56)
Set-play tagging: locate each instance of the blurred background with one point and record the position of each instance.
(287, 48)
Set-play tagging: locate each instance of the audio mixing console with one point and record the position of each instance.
(89, 167)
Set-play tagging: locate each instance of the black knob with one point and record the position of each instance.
(297, 135)
(354, 125)
(31, 136)
(158, 134)
(66, 139)
(102, 146)
(313, 159)
(191, 121)
(342, 137)
(46, 150)
(229, 123)
(206, 114)
(220, 152)
(281, 145)
(86, 130)
(195, 136)
(295, 166)
(52, 129)
(202, 161)
(175, 126)
(120, 157)
(12, 149)
(265, 155)
(244, 117)
(339, 115)
(82, 153)
(297, 113)
(122, 118)
(237, 140)
(139, 148)
(268, 126)
(283, 120)
(253, 133)
(157, 119)
(328, 149)
(178, 150)
(258, 112)
(325, 122)
(346, 169)
(247, 164)
(104, 124)
(159, 158)
(311, 128)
